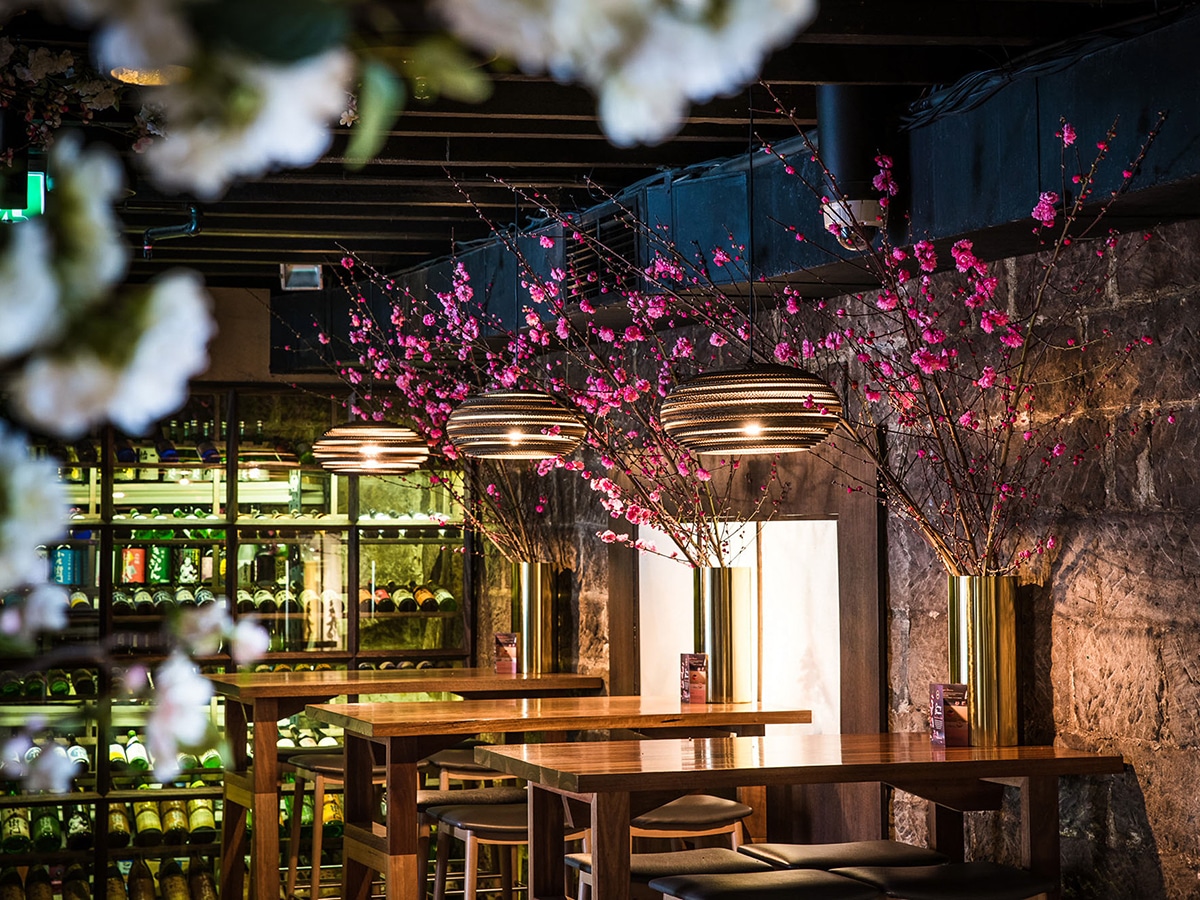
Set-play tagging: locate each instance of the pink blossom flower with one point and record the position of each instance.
(872, 396)
(719, 257)
(717, 340)
(967, 420)
(888, 300)
(682, 349)
(546, 241)
(784, 351)
(1012, 338)
(807, 350)
(965, 258)
(611, 537)
(1044, 210)
(926, 257)
(1058, 449)
(885, 184)
(986, 378)
(634, 333)
(347, 262)
(993, 319)
(1067, 133)
(929, 362)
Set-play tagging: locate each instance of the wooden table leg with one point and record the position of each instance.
(1039, 827)
(264, 846)
(233, 818)
(356, 873)
(754, 826)
(946, 831)
(610, 845)
(545, 843)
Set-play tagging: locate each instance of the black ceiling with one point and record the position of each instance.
(406, 207)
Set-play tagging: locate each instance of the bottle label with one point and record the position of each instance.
(133, 565)
(66, 565)
(15, 827)
(189, 565)
(159, 564)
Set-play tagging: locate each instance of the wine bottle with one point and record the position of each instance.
(174, 817)
(141, 882)
(11, 887)
(78, 756)
(10, 683)
(425, 599)
(14, 829)
(119, 829)
(84, 682)
(211, 759)
(305, 740)
(38, 885)
(205, 448)
(143, 602)
(148, 831)
(245, 602)
(58, 683)
(187, 761)
(46, 829)
(202, 824)
(446, 601)
(405, 602)
(80, 602)
(200, 879)
(35, 685)
(121, 604)
(164, 446)
(114, 888)
(172, 881)
(286, 739)
(80, 833)
(75, 883)
(135, 753)
(323, 739)
(118, 762)
(331, 816)
(264, 601)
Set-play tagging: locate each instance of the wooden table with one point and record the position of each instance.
(411, 731)
(262, 698)
(623, 779)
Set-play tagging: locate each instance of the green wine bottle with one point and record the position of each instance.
(46, 829)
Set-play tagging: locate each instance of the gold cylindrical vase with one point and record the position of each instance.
(983, 654)
(533, 616)
(723, 626)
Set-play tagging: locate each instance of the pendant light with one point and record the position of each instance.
(514, 425)
(758, 408)
(370, 448)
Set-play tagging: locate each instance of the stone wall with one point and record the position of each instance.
(1110, 643)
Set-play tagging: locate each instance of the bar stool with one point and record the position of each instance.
(836, 856)
(692, 816)
(458, 764)
(778, 884)
(953, 881)
(502, 825)
(321, 769)
(645, 867)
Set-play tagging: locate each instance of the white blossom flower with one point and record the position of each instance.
(179, 717)
(90, 255)
(281, 117)
(52, 771)
(43, 609)
(168, 325)
(646, 59)
(144, 35)
(202, 629)
(29, 306)
(248, 641)
(33, 505)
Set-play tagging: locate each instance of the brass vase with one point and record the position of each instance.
(723, 622)
(533, 615)
(983, 654)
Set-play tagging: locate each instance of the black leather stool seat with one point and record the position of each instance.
(955, 881)
(508, 819)
(474, 796)
(694, 811)
(331, 765)
(834, 856)
(645, 867)
(458, 759)
(778, 884)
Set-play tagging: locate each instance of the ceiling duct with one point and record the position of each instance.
(848, 125)
(190, 228)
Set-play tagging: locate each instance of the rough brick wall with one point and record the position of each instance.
(1110, 626)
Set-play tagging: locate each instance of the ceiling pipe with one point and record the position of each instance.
(848, 127)
(189, 228)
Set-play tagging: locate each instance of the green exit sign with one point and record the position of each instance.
(35, 200)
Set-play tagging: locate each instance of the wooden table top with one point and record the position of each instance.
(778, 759)
(546, 714)
(333, 683)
